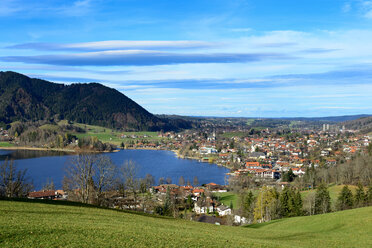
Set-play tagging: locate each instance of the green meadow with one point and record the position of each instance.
(64, 224)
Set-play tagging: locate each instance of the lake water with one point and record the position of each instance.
(42, 165)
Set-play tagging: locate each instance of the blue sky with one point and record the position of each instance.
(248, 58)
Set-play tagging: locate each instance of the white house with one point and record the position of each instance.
(223, 210)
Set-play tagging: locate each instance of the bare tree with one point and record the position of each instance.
(129, 179)
(161, 180)
(49, 185)
(89, 176)
(79, 176)
(13, 182)
(104, 177)
(309, 203)
(195, 181)
(181, 181)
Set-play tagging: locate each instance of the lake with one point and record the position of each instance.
(44, 165)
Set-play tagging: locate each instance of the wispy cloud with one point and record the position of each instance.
(9, 7)
(115, 45)
(142, 58)
(36, 8)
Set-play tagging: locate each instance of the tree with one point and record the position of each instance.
(167, 203)
(345, 199)
(49, 185)
(231, 205)
(360, 196)
(290, 203)
(13, 182)
(369, 195)
(168, 180)
(104, 176)
(322, 200)
(289, 176)
(248, 205)
(195, 181)
(181, 181)
(267, 205)
(88, 176)
(161, 180)
(309, 203)
(129, 179)
(298, 205)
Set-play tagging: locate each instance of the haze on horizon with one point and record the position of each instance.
(242, 58)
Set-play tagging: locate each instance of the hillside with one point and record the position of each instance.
(28, 99)
(35, 224)
(363, 125)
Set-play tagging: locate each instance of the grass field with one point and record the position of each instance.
(227, 197)
(6, 144)
(107, 135)
(234, 134)
(35, 224)
(113, 136)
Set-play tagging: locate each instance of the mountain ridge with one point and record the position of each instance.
(29, 99)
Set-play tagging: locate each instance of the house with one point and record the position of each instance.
(207, 150)
(216, 187)
(197, 192)
(257, 155)
(223, 210)
(253, 165)
(240, 220)
(203, 209)
(298, 171)
(46, 194)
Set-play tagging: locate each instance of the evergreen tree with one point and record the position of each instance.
(231, 205)
(360, 196)
(322, 200)
(289, 176)
(369, 195)
(298, 204)
(285, 202)
(167, 203)
(248, 204)
(345, 199)
(290, 203)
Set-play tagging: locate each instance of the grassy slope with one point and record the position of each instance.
(334, 191)
(24, 224)
(227, 197)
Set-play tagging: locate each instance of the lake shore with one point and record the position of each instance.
(52, 149)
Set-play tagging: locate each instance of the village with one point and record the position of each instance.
(264, 157)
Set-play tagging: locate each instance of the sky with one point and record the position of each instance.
(232, 58)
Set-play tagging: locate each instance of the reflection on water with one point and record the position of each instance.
(26, 154)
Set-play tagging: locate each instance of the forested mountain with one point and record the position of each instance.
(28, 99)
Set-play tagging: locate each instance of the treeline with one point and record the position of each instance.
(270, 204)
(50, 135)
(354, 171)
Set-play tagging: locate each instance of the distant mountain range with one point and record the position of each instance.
(29, 99)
